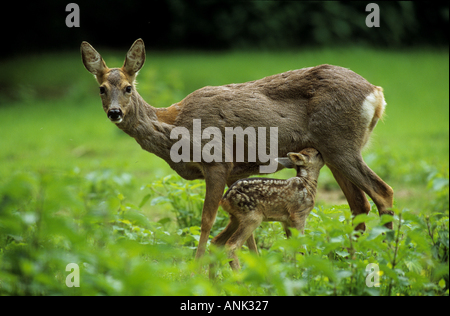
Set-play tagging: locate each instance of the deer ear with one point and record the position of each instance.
(298, 159)
(135, 58)
(92, 60)
(286, 162)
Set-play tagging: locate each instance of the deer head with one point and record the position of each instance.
(306, 159)
(117, 85)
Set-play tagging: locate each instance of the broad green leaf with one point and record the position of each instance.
(362, 218)
(164, 220)
(159, 200)
(376, 231)
(413, 265)
(342, 253)
(144, 200)
(342, 274)
(385, 218)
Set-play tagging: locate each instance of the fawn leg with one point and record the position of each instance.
(225, 234)
(244, 231)
(286, 229)
(221, 239)
(251, 244)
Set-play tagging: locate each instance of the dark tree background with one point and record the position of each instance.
(217, 24)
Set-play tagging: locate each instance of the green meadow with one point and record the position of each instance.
(74, 188)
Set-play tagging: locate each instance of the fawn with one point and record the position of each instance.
(253, 200)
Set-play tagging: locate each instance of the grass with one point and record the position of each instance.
(54, 130)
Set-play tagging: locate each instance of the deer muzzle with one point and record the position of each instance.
(115, 115)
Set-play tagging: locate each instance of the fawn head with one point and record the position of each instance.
(308, 158)
(116, 84)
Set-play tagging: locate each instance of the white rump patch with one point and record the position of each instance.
(368, 107)
(374, 104)
(372, 110)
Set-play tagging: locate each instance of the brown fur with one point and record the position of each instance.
(317, 107)
(168, 115)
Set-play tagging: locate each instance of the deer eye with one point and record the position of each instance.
(102, 90)
(128, 89)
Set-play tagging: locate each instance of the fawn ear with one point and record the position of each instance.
(298, 159)
(92, 60)
(286, 162)
(135, 58)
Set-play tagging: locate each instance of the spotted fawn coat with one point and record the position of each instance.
(253, 200)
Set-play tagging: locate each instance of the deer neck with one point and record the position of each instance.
(143, 124)
(308, 178)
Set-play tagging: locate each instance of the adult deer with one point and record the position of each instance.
(326, 107)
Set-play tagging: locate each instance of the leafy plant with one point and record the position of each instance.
(186, 198)
(48, 221)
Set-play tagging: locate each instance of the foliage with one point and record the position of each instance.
(278, 24)
(219, 24)
(48, 221)
(186, 198)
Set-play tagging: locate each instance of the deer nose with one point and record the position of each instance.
(115, 115)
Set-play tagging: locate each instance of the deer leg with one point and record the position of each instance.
(358, 173)
(287, 230)
(244, 231)
(215, 178)
(221, 239)
(357, 200)
(225, 234)
(298, 221)
(251, 244)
